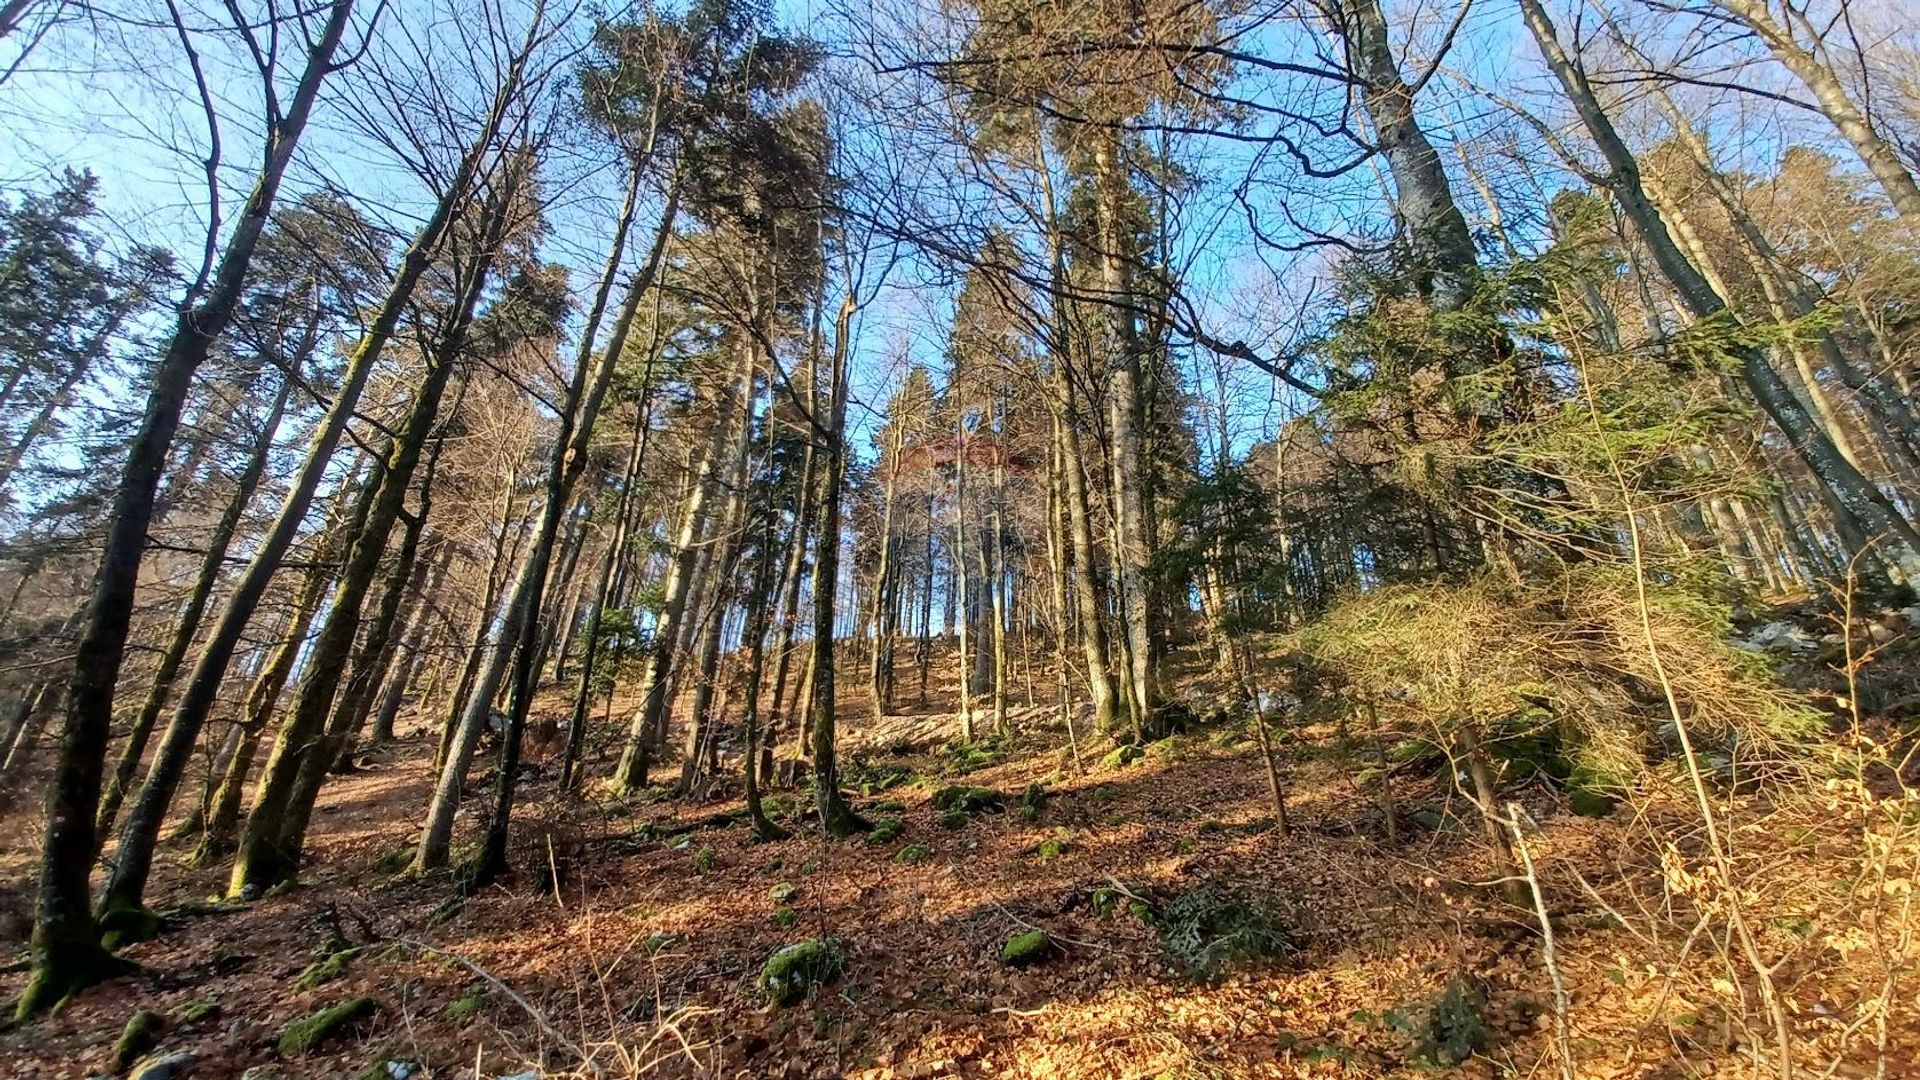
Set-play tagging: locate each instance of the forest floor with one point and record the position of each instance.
(647, 957)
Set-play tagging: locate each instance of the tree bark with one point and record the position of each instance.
(211, 563)
(67, 955)
(1863, 513)
(836, 816)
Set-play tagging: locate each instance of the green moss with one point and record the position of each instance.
(783, 893)
(1122, 756)
(123, 926)
(1051, 849)
(889, 806)
(307, 1032)
(657, 942)
(141, 1034)
(793, 971)
(463, 1009)
(954, 819)
(326, 969)
(914, 853)
(884, 831)
(1027, 948)
(704, 859)
(968, 799)
(786, 916)
(398, 860)
(1588, 803)
(200, 1010)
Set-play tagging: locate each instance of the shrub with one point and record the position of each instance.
(1556, 675)
(1209, 931)
(1446, 1030)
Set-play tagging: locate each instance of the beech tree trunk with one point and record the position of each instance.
(211, 564)
(1861, 511)
(67, 955)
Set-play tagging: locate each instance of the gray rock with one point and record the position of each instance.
(402, 1069)
(169, 1066)
(1779, 637)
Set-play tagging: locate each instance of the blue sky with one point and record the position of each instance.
(118, 99)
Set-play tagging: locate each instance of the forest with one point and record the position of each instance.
(1168, 539)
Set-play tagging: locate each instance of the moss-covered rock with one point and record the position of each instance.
(968, 799)
(1027, 948)
(197, 1011)
(141, 1034)
(1122, 756)
(885, 831)
(302, 1035)
(954, 819)
(783, 893)
(1051, 848)
(913, 853)
(704, 859)
(794, 971)
(326, 969)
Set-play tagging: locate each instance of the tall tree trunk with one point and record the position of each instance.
(223, 807)
(1879, 155)
(962, 598)
(211, 563)
(276, 822)
(724, 548)
(67, 955)
(142, 827)
(994, 552)
(1446, 264)
(759, 611)
(512, 524)
(791, 576)
(649, 721)
(572, 446)
(885, 608)
(400, 664)
(836, 816)
(1862, 512)
(1132, 541)
(616, 543)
